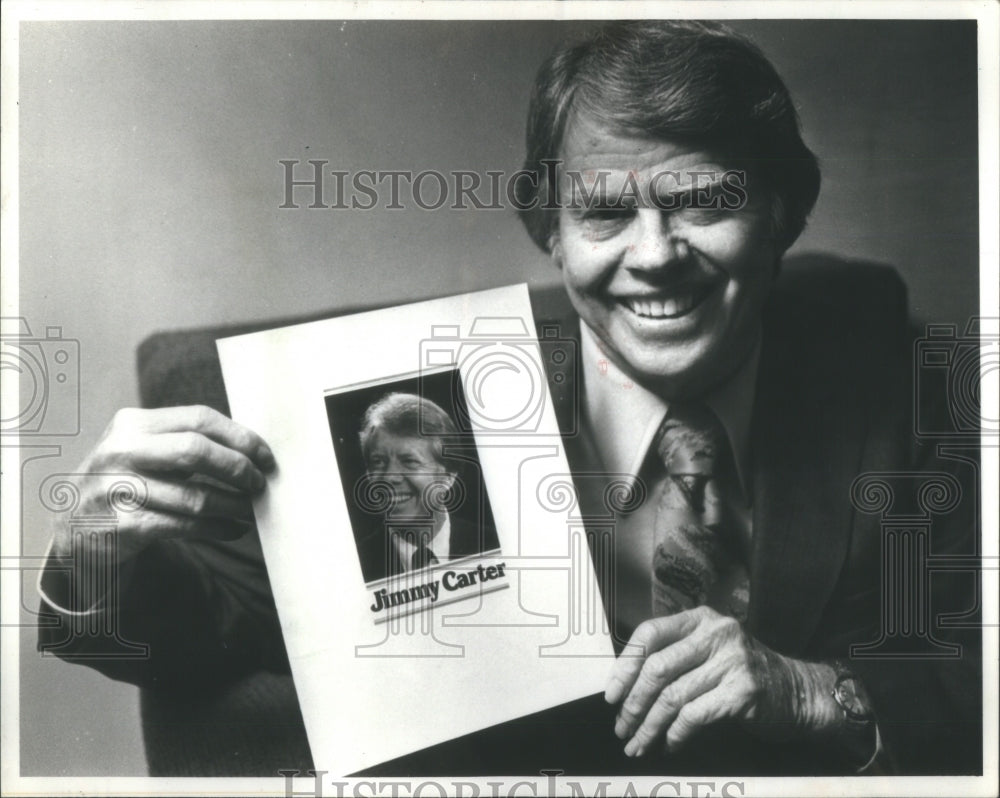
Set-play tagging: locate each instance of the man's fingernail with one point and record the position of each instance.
(613, 692)
(621, 728)
(632, 748)
(258, 480)
(265, 457)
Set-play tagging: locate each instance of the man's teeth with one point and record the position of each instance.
(663, 308)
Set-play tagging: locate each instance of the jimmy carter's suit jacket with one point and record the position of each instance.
(380, 558)
(835, 401)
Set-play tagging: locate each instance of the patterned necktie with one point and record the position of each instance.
(696, 557)
(422, 557)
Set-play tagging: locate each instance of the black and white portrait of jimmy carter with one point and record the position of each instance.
(411, 489)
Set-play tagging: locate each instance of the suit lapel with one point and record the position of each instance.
(558, 329)
(465, 539)
(807, 437)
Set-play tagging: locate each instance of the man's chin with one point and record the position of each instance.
(674, 372)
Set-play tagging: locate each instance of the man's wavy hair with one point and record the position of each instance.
(409, 416)
(695, 83)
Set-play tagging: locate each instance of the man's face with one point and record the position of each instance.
(410, 467)
(674, 296)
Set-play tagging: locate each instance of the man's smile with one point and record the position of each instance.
(677, 303)
(668, 305)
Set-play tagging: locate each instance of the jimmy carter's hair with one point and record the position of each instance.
(406, 415)
(695, 83)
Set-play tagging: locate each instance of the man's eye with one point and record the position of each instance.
(703, 216)
(607, 221)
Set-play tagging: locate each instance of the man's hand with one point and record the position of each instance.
(198, 467)
(683, 672)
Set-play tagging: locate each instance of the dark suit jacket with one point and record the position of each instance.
(380, 558)
(835, 400)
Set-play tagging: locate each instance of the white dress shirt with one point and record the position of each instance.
(440, 545)
(622, 419)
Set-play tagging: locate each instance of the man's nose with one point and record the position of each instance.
(656, 243)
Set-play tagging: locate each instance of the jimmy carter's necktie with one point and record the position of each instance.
(422, 557)
(696, 557)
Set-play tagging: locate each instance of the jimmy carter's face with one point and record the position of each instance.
(409, 465)
(674, 297)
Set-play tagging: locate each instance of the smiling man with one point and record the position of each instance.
(402, 440)
(738, 587)
(674, 296)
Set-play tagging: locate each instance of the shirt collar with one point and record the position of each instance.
(440, 544)
(624, 416)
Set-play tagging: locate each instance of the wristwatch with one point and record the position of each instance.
(852, 698)
(850, 695)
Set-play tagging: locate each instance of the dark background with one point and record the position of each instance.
(150, 186)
